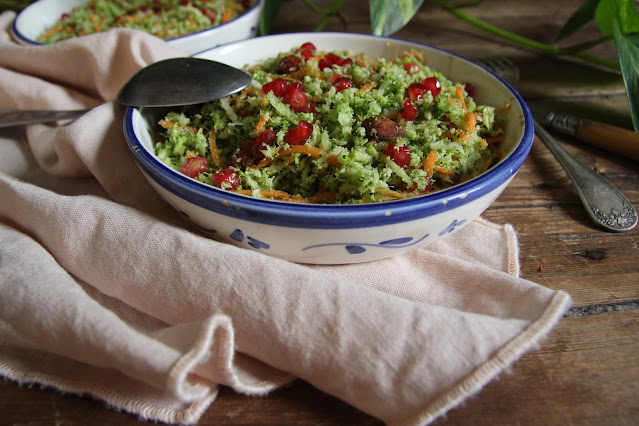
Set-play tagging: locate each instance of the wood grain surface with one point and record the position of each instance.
(587, 370)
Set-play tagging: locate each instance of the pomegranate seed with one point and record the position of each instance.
(299, 134)
(342, 83)
(264, 139)
(416, 91)
(432, 85)
(332, 58)
(344, 62)
(409, 113)
(323, 64)
(411, 67)
(288, 64)
(400, 154)
(277, 86)
(468, 87)
(64, 17)
(193, 166)
(295, 96)
(307, 50)
(226, 179)
(308, 46)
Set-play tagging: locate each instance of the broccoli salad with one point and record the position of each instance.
(335, 127)
(163, 18)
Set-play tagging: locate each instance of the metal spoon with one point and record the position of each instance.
(605, 205)
(171, 82)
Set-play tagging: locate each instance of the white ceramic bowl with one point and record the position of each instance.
(35, 19)
(336, 234)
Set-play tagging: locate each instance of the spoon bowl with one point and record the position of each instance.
(182, 81)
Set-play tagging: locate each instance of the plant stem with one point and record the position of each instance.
(329, 11)
(326, 13)
(523, 41)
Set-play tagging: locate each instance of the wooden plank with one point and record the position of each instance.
(587, 372)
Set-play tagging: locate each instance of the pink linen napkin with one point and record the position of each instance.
(105, 290)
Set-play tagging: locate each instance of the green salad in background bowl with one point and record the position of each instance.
(190, 25)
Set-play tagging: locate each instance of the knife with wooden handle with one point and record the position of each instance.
(605, 136)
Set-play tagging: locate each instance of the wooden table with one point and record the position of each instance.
(587, 371)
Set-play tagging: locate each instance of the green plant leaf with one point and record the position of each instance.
(389, 16)
(582, 16)
(628, 51)
(621, 10)
(271, 9)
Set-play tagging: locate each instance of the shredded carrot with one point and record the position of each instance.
(368, 87)
(52, 31)
(289, 77)
(95, 22)
(304, 71)
(190, 153)
(471, 123)
(274, 194)
(215, 155)
(429, 163)
(302, 149)
(460, 95)
(170, 124)
(483, 143)
(444, 170)
(259, 127)
(263, 102)
(227, 16)
(503, 109)
(485, 166)
(391, 193)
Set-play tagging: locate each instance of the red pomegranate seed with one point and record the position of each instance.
(288, 64)
(432, 85)
(307, 50)
(193, 166)
(64, 17)
(296, 97)
(400, 154)
(342, 83)
(263, 140)
(416, 91)
(308, 46)
(226, 179)
(468, 87)
(344, 62)
(332, 58)
(277, 86)
(409, 112)
(322, 64)
(411, 67)
(299, 134)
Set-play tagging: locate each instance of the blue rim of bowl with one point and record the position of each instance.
(328, 216)
(19, 35)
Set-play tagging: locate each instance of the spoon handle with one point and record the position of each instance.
(17, 118)
(604, 203)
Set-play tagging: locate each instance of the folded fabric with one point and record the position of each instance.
(105, 290)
